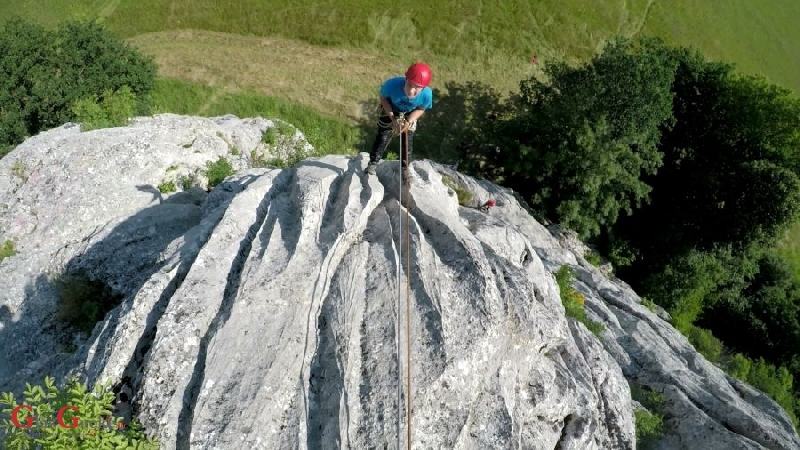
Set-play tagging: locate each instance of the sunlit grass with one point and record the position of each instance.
(757, 36)
(328, 135)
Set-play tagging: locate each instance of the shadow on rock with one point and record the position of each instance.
(163, 238)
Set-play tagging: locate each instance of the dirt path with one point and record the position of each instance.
(108, 8)
(644, 17)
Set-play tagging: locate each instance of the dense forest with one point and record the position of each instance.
(682, 173)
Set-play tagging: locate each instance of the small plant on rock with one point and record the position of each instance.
(593, 258)
(217, 171)
(7, 250)
(270, 136)
(187, 182)
(649, 428)
(573, 301)
(18, 169)
(166, 187)
(649, 304)
(257, 160)
(649, 423)
(464, 196)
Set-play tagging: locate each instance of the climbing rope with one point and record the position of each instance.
(404, 183)
(397, 310)
(408, 290)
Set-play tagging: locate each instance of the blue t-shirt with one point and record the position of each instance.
(393, 90)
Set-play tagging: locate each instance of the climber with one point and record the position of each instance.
(122, 409)
(487, 206)
(403, 101)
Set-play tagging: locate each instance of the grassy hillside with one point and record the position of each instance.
(329, 56)
(758, 36)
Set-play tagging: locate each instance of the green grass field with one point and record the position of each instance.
(476, 40)
(318, 63)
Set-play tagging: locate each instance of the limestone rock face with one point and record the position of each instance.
(277, 310)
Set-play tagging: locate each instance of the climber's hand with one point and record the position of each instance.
(405, 127)
(397, 125)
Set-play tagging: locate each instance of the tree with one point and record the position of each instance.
(583, 141)
(764, 320)
(730, 172)
(43, 73)
(23, 47)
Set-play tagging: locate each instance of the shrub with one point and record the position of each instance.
(774, 381)
(738, 366)
(217, 171)
(763, 320)
(584, 140)
(704, 342)
(735, 137)
(112, 109)
(88, 413)
(687, 285)
(620, 253)
(83, 301)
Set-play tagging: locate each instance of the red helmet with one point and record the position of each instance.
(419, 74)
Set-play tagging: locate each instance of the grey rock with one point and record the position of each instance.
(269, 313)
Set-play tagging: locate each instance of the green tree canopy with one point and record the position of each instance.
(764, 321)
(682, 168)
(583, 141)
(730, 173)
(44, 72)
